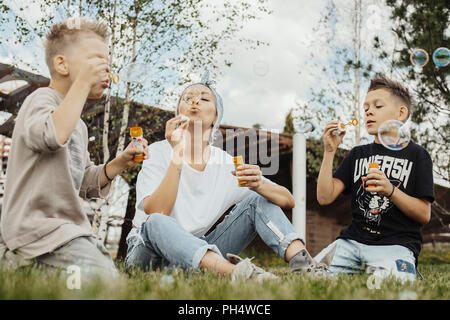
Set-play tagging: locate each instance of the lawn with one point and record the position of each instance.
(33, 283)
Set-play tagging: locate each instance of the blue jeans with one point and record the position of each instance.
(355, 257)
(161, 241)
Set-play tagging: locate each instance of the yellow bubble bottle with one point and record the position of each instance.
(238, 161)
(138, 139)
(376, 166)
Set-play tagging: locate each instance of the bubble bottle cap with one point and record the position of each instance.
(136, 131)
(238, 161)
(374, 165)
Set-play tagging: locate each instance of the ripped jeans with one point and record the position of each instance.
(385, 260)
(161, 241)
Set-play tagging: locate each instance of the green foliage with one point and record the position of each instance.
(337, 70)
(425, 25)
(314, 146)
(314, 156)
(289, 127)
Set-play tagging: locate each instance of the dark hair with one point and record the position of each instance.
(395, 88)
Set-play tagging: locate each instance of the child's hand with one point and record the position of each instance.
(94, 72)
(331, 141)
(130, 151)
(382, 184)
(251, 174)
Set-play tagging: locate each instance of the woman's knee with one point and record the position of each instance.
(254, 199)
(156, 221)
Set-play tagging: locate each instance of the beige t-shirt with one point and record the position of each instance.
(44, 179)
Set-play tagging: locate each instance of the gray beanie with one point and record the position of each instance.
(205, 81)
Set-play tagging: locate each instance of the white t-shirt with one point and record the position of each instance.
(203, 196)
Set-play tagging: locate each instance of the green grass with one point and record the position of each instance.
(34, 283)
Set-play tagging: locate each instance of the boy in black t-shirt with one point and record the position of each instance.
(386, 229)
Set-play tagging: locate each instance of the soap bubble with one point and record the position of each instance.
(390, 41)
(441, 57)
(407, 295)
(419, 58)
(192, 97)
(134, 72)
(374, 20)
(394, 135)
(166, 281)
(260, 68)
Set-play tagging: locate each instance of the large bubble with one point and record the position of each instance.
(135, 72)
(192, 97)
(441, 57)
(394, 135)
(260, 68)
(419, 58)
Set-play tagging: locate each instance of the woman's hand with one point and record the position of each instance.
(251, 174)
(175, 133)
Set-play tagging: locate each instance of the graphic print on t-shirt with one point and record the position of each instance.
(372, 205)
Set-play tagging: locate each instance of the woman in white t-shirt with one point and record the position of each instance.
(185, 187)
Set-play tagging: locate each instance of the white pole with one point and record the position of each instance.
(299, 184)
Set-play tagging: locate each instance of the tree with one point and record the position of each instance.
(289, 123)
(425, 25)
(340, 65)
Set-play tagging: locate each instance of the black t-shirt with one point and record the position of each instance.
(375, 219)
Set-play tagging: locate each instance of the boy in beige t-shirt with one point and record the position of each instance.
(49, 165)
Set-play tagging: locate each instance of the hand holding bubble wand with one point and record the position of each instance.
(341, 126)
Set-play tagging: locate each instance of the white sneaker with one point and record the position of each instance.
(303, 263)
(245, 269)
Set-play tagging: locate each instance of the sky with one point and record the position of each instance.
(261, 85)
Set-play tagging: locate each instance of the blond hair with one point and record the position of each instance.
(65, 33)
